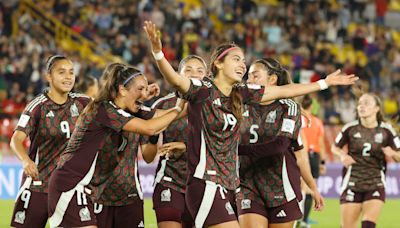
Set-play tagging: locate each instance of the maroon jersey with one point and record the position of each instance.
(214, 132)
(365, 147)
(92, 144)
(116, 181)
(49, 127)
(273, 180)
(171, 172)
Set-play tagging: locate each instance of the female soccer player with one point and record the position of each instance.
(363, 187)
(91, 150)
(87, 85)
(214, 114)
(270, 187)
(171, 174)
(48, 121)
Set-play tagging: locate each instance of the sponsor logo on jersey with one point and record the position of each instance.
(246, 113)
(84, 213)
(20, 217)
(229, 208)
(166, 195)
(217, 102)
(379, 138)
(376, 194)
(281, 214)
(246, 204)
(271, 117)
(74, 110)
(357, 135)
(50, 114)
(141, 224)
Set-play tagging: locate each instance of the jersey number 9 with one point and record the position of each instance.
(65, 128)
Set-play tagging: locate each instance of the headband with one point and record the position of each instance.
(226, 52)
(50, 61)
(131, 77)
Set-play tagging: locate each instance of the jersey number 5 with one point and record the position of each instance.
(253, 132)
(65, 128)
(366, 149)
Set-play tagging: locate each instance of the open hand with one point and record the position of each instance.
(153, 35)
(338, 78)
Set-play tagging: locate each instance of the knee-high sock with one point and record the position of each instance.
(367, 224)
(307, 207)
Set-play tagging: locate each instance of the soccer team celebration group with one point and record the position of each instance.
(231, 149)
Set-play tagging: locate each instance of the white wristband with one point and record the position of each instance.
(158, 56)
(322, 84)
(178, 109)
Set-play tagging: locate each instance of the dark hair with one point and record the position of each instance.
(219, 55)
(52, 60)
(306, 102)
(272, 66)
(84, 83)
(190, 57)
(114, 75)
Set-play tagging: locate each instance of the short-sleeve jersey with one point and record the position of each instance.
(49, 126)
(92, 144)
(313, 131)
(272, 180)
(365, 147)
(214, 131)
(171, 172)
(116, 181)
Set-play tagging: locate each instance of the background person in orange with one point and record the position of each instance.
(313, 132)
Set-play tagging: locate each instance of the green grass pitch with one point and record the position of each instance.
(390, 217)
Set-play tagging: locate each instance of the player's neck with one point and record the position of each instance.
(223, 86)
(58, 98)
(369, 122)
(119, 103)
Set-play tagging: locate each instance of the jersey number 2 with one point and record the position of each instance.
(65, 128)
(366, 149)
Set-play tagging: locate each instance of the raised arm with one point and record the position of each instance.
(294, 90)
(179, 82)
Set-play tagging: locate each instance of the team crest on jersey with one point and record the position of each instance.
(166, 195)
(20, 217)
(271, 117)
(74, 110)
(379, 138)
(229, 208)
(246, 204)
(84, 213)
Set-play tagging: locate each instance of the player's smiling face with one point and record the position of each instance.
(61, 77)
(193, 68)
(367, 106)
(233, 66)
(136, 92)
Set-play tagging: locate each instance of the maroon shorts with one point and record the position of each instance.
(169, 205)
(349, 196)
(120, 216)
(70, 209)
(287, 212)
(30, 210)
(209, 203)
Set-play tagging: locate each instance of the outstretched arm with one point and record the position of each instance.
(180, 83)
(294, 90)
